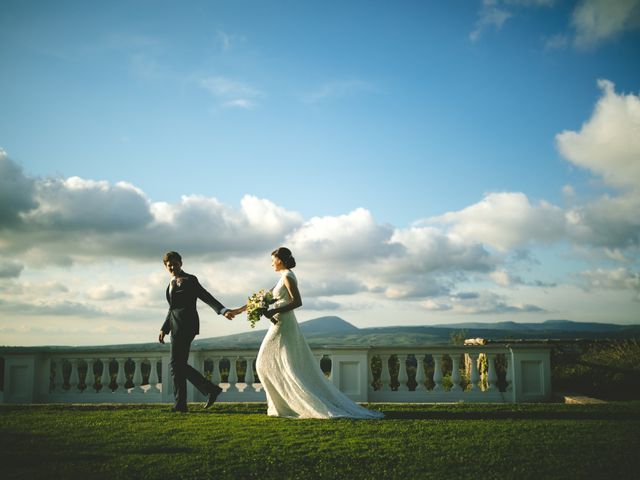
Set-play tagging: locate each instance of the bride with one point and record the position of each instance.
(289, 373)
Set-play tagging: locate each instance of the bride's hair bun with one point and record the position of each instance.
(284, 254)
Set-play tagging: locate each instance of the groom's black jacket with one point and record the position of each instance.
(182, 318)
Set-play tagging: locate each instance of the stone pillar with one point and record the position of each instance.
(455, 373)
(385, 376)
(403, 377)
(474, 377)
(437, 372)
(105, 378)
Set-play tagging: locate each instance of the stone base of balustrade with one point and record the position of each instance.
(99, 397)
(441, 397)
(240, 393)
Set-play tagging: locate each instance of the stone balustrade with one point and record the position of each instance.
(437, 373)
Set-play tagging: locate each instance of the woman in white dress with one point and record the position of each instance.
(288, 371)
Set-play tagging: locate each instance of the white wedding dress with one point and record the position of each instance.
(291, 375)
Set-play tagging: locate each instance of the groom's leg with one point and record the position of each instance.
(179, 357)
(199, 381)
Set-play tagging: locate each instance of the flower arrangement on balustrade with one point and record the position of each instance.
(257, 305)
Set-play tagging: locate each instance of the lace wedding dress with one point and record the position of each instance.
(291, 376)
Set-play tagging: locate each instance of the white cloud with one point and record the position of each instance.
(331, 286)
(557, 42)
(105, 293)
(338, 89)
(596, 21)
(78, 204)
(230, 93)
(502, 277)
(16, 191)
(495, 13)
(228, 41)
(242, 103)
(489, 17)
(489, 303)
(429, 249)
(610, 222)
(52, 308)
(434, 306)
(506, 220)
(608, 144)
(224, 39)
(320, 304)
(102, 220)
(353, 237)
(612, 279)
(10, 269)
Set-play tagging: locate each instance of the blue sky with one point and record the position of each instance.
(428, 162)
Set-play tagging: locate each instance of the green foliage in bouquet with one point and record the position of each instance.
(257, 305)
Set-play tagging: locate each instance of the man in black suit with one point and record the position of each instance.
(184, 324)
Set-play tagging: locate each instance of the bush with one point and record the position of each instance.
(608, 369)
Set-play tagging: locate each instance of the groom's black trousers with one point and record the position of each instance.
(181, 371)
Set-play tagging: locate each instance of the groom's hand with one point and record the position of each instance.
(161, 336)
(229, 314)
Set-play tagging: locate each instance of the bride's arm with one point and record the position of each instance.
(239, 310)
(296, 298)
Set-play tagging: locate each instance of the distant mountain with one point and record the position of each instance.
(334, 331)
(547, 325)
(322, 327)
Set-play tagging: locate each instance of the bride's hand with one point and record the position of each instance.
(270, 315)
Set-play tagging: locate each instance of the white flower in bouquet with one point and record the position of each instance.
(257, 305)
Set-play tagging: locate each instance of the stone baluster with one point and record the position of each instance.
(105, 378)
(385, 376)
(137, 376)
(474, 377)
(403, 377)
(492, 376)
(420, 376)
(437, 373)
(455, 373)
(73, 376)
(121, 378)
(509, 373)
(233, 374)
(249, 378)
(215, 370)
(59, 378)
(89, 378)
(154, 385)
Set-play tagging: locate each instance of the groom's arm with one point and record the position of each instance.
(166, 328)
(210, 300)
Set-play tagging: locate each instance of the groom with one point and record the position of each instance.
(184, 324)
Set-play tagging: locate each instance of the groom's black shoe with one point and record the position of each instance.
(213, 396)
(179, 410)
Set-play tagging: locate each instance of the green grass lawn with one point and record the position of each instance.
(239, 441)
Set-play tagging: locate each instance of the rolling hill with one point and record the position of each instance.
(335, 331)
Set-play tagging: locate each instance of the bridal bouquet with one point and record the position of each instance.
(257, 305)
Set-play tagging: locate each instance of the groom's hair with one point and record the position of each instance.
(171, 256)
